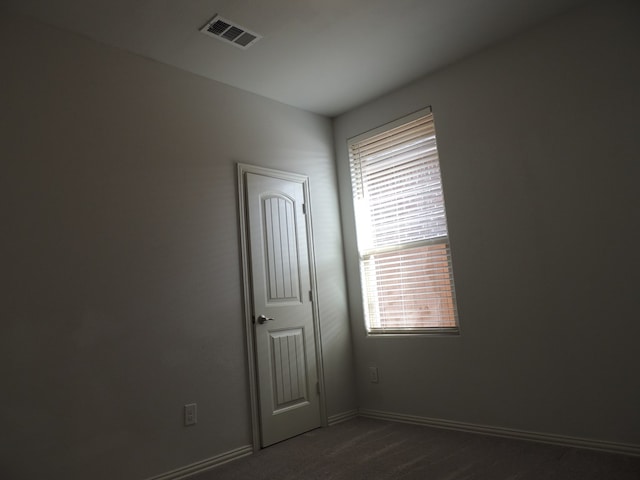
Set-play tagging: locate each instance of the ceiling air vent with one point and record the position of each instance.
(230, 32)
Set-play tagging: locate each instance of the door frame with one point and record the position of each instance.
(248, 294)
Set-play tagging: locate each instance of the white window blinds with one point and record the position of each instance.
(405, 259)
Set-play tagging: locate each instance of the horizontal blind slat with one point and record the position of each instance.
(407, 278)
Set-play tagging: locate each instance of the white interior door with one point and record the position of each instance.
(284, 334)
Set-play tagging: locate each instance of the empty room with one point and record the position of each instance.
(317, 239)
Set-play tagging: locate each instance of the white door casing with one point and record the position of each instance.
(281, 316)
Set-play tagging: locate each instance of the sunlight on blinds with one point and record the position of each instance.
(401, 224)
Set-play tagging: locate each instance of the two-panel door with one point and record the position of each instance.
(284, 335)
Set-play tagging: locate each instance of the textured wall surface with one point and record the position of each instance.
(121, 271)
(538, 141)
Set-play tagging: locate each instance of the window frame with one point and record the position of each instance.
(363, 255)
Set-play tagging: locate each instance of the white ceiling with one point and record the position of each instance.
(325, 56)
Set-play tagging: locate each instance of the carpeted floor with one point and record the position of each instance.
(374, 449)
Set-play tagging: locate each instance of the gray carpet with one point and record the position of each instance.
(373, 449)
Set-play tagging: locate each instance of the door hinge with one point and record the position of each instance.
(310, 295)
(304, 208)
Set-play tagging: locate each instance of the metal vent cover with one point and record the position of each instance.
(230, 32)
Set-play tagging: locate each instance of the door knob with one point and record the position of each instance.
(263, 319)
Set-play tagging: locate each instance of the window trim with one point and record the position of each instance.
(362, 255)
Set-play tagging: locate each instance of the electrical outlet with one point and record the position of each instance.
(373, 374)
(190, 414)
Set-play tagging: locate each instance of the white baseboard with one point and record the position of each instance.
(604, 446)
(342, 417)
(204, 465)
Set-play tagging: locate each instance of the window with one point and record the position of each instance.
(403, 242)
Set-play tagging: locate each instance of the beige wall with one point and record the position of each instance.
(121, 293)
(539, 140)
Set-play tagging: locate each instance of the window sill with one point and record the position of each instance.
(413, 332)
